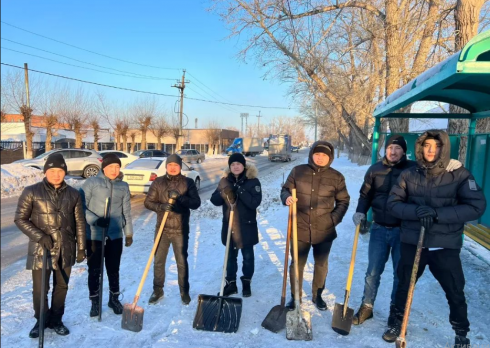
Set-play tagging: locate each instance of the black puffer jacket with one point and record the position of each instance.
(43, 210)
(455, 196)
(178, 220)
(322, 198)
(249, 196)
(378, 181)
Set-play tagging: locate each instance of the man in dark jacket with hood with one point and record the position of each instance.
(176, 231)
(322, 201)
(429, 196)
(385, 230)
(239, 185)
(50, 213)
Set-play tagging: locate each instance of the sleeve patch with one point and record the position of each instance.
(257, 188)
(472, 185)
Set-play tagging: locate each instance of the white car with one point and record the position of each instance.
(125, 157)
(141, 173)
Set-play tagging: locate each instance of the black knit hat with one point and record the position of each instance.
(174, 159)
(55, 160)
(323, 149)
(110, 158)
(397, 140)
(237, 157)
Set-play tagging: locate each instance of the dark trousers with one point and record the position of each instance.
(61, 277)
(248, 266)
(320, 255)
(180, 244)
(112, 259)
(445, 266)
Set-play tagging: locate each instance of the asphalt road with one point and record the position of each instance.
(14, 243)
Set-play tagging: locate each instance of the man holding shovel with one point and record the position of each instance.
(322, 201)
(239, 184)
(107, 184)
(50, 213)
(176, 230)
(429, 196)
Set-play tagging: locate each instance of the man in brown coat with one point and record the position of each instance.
(50, 213)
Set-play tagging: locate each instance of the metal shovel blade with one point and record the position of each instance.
(298, 325)
(341, 324)
(218, 313)
(275, 321)
(132, 319)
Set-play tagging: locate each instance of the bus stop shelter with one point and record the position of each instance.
(463, 80)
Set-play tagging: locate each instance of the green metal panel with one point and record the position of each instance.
(478, 166)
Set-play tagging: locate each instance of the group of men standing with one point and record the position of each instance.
(434, 192)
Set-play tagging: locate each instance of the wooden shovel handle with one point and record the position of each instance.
(351, 271)
(295, 250)
(286, 258)
(152, 254)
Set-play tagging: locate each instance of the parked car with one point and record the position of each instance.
(141, 173)
(82, 162)
(125, 157)
(294, 148)
(189, 155)
(150, 153)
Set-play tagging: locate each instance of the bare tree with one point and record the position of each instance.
(213, 132)
(174, 129)
(144, 112)
(50, 101)
(74, 112)
(160, 128)
(132, 134)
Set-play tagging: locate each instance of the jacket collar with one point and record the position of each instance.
(51, 188)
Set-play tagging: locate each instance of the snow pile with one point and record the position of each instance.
(15, 177)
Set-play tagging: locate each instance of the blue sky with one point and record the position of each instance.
(168, 34)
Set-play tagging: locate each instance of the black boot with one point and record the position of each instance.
(392, 316)
(318, 301)
(34, 333)
(461, 342)
(291, 305)
(393, 331)
(364, 313)
(58, 327)
(156, 295)
(94, 311)
(186, 299)
(246, 291)
(114, 302)
(230, 288)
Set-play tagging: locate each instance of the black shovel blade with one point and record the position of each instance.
(218, 313)
(132, 319)
(275, 321)
(341, 324)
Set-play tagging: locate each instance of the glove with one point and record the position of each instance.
(364, 227)
(426, 215)
(453, 165)
(166, 207)
(173, 194)
(103, 222)
(81, 255)
(358, 217)
(46, 242)
(230, 193)
(129, 241)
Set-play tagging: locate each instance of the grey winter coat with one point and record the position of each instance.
(455, 197)
(41, 210)
(94, 192)
(322, 198)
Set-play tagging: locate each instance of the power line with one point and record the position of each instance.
(202, 83)
(81, 61)
(78, 66)
(146, 92)
(83, 49)
(223, 106)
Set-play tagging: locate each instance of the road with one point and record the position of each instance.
(14, 243)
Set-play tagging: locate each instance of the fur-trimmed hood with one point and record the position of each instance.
(251, 171)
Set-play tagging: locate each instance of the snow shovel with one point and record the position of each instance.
(342, 314)
(400, 340)
(219, 313)
(298, 323)
(132, 317)
(275, 321)
(107, 212)
(42, 315)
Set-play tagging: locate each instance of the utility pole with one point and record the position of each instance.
(242, 116)
(196, 123)
(181, 87)
(258, 125)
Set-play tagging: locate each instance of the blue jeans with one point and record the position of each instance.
(382, 241)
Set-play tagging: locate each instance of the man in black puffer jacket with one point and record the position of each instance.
(440, 201)
(176, 231)
(51, 214)
(239, 184)
(322, 201)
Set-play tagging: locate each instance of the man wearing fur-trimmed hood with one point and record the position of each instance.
(239, 185)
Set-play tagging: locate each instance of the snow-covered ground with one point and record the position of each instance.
(169, 323)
